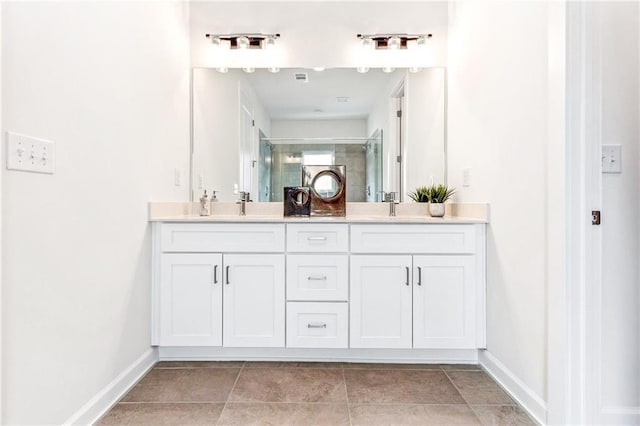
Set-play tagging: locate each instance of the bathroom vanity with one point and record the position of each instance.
(362, 287)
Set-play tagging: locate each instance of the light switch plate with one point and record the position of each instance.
(28, 154)
(611, 159)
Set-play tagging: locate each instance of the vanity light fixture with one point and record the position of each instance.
(318, 69)
(414, 69)
(362, 70)
(392, 41)
(222, 69)
(244, 41)
(249, 70)
(274, 69)
(388, 69)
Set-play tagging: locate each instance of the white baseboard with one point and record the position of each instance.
(440, 356)
(110, 394)
(535, 406)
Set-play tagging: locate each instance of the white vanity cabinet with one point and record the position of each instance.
(317, 289)
(431, 297)
(219, 285)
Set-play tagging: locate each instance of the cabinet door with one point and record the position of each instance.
(254, 306)
(380, 301)
(444, 302)
(191, 300)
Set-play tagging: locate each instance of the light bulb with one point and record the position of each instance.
(222, 69)
(248, 70)
(394, 42)
(414, 69)
(243, 42)
(368, 43)
(318, 69)
(274, 69)
(216, 42)
(270, 43)
(421, 41)
(388, 69)
(362, 70)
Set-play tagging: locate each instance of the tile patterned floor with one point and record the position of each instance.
(297, 393)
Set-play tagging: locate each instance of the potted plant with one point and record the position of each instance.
(435, 195)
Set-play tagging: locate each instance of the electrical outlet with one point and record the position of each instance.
(466, 177)
(611, 159)
(28, 154)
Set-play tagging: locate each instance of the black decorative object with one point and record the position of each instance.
(297, 201)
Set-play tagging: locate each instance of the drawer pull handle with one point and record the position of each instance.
(317, 238)
(316, 325)
(227, 274)
(317, 278)
(215, 274)
(419, 275)
(407, 269)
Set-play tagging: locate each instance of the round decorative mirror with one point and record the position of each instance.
(327, 185)
(300, 197)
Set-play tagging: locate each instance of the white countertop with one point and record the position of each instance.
(356, 213)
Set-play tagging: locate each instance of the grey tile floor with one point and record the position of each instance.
(296, 393)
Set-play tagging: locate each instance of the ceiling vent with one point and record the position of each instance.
(302, 77)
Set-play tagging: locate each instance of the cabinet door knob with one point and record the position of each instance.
(407, 269)
(419, 275)
(227, 274)
(215, 274)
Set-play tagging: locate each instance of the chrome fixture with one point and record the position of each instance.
(390, 197)
(245, 197)
(244, 41)
(392, 41)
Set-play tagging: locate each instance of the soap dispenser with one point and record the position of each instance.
(205, 205)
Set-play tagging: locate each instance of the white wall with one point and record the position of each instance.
(316, 33)
(108, 82)
(497, 120)
(1, 239)
(620, 206)
(318, 129)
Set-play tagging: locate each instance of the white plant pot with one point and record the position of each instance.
(436, 209)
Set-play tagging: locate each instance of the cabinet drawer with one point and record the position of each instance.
(317, 238)
(224, 237)
(419, 239)
(317, 325)
(318, 277)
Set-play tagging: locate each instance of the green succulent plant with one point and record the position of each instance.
(432, 194)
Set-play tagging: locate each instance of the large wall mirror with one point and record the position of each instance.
(254, 131)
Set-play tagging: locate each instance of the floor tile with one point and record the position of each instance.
(400, 386)
(163, 414)
(289, 385)
(380, 366)
(188, 385)
(285, 364)
(412, 414)
(502, 415)
(199, 364)
(249, 413)
(477, 388)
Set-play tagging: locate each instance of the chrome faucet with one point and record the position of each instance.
(245, 197)
(390, 197)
